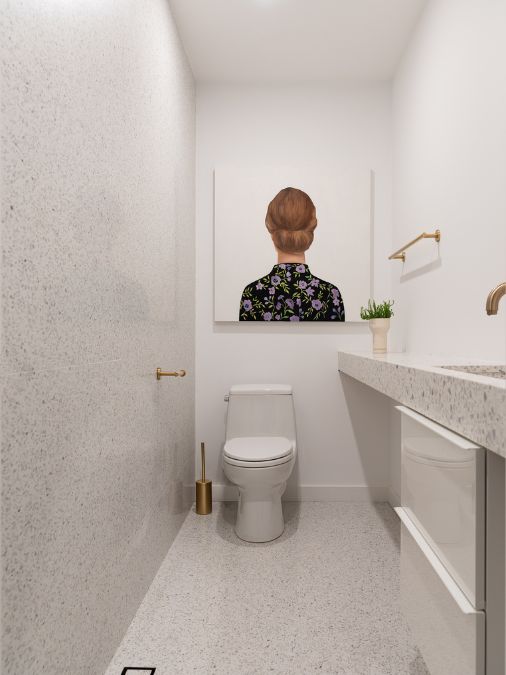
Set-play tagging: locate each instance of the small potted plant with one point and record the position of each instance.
(378, 316)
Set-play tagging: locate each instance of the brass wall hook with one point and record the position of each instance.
(178, 373)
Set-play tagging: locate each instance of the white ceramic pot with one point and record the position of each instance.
(379, 329)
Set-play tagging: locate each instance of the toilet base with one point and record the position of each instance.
(260, 514)
(259, 511)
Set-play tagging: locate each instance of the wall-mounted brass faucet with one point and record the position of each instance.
(493, 298)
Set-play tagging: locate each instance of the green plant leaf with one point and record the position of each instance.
(383, 310)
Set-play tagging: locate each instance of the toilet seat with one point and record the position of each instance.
(257, 451)
(258, 465)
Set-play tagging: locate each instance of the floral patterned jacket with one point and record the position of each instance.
(291, 293)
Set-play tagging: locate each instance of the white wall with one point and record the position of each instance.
(341, 424)
(449, 108)
(98, 167)
(449, 112)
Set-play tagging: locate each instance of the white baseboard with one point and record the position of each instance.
(314, 493)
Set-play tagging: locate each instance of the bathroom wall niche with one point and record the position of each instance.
(244, 252)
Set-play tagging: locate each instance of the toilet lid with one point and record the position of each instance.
(257, 448)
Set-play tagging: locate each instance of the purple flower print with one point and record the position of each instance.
(291, 293)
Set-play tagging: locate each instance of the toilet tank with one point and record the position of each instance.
(260, 410)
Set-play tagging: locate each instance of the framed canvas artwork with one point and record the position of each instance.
(292, 243)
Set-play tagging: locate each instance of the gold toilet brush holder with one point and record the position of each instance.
(203, 489)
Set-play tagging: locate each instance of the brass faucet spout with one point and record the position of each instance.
(493, 298)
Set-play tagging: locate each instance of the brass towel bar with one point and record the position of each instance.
(400, 254)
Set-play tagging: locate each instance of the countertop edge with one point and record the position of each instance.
(471, 406)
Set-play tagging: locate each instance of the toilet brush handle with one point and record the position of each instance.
(203, 459)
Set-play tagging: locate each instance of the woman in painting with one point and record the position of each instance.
(290, 292)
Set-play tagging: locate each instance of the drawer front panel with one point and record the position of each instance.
(443, 492)
(451, 641)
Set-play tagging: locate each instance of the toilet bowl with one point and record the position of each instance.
(259, 455)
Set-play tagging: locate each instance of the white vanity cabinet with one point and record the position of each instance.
(448, 630)
(452, 505)
(443, 545)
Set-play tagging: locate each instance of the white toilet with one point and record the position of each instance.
(259, 455)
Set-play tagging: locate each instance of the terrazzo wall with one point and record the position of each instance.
(98, 286)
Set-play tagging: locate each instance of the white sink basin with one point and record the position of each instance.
(488, 371)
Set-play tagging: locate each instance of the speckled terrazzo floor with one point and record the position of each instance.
(323, 598)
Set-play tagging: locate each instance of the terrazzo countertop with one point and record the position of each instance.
(469, 404)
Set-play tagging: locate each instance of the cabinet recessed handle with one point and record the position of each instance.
(178, 373)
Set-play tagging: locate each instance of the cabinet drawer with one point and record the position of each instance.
(448, 631)
(443, 492)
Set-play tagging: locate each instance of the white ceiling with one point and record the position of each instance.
(295, 40)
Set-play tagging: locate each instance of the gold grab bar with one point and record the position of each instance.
(177, 373)
(400, 254)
